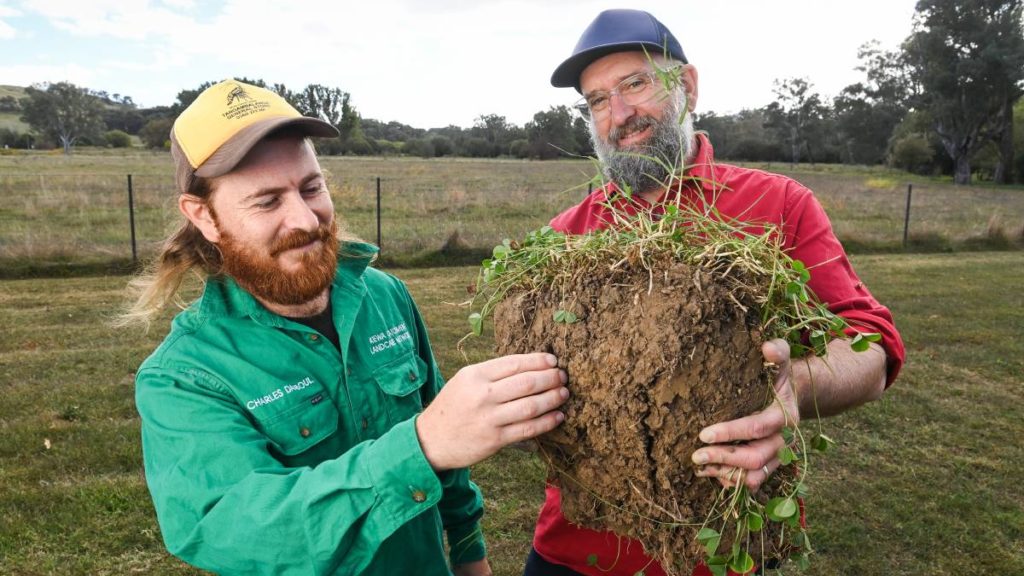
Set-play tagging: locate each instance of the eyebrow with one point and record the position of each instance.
(618, 81)
(279, 189)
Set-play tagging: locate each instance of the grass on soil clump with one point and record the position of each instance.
(750, 263)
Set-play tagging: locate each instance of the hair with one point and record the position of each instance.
(184, 251)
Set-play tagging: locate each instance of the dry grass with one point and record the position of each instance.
(56, 208)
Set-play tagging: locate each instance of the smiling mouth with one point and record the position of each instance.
(634, 136)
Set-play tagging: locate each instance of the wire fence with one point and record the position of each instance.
(412, 207)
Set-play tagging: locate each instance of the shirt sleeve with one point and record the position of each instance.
(225, 504)
(810, 239)
(461, 504)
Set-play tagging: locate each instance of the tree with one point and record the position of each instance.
(551, 134)
(867, 112)
(63, 112)
(323, 102)
(157, 132)
(117, 139)
(796, 114)
(967, 57)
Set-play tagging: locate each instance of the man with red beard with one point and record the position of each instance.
(294, 420)
(643, 134)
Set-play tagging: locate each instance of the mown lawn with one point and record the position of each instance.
(925, 481)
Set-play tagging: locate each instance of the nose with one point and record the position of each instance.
(299, 215)
(620, 111)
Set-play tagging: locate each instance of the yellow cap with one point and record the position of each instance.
(212, 135)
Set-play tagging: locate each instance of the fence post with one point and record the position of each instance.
(131, 220)
(378, 215)
(906, 217)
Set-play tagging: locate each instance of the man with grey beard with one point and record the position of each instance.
(647, 166)
(638, 92)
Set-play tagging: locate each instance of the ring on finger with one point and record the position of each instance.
(765, 468)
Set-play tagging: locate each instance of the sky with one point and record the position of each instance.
(428, 63)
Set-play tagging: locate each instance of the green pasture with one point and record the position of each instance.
(73, 211)
(925, 481)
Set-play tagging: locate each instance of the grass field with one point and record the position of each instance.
(925, 481)
(56, 209)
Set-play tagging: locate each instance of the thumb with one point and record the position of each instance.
(776, 351)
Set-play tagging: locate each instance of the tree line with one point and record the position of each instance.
(947, 101)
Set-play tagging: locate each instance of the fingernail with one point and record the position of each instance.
(552, 360)
(707, 436)
(560, 417)
(563, 375)
(700, 458)
(564, 393)
(701, 473)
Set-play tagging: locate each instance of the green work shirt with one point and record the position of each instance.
(269, 452)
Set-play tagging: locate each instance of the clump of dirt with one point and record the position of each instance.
(656, 353)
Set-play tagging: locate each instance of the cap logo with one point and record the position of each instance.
(240, 104)
(237, 93)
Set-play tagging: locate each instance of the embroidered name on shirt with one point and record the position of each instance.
(390, 338)
(279, 393)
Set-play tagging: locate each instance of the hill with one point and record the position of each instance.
(11, 120)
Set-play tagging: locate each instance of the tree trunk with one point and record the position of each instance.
(962, 174)
(1004, 167)
(66, 142)
(794, 145)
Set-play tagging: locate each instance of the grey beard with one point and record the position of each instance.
(648, 166)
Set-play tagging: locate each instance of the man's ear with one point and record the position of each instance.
(199, 214)
(690, 84)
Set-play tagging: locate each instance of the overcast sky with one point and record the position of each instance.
(427, 63)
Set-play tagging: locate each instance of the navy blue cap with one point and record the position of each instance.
(618, 30)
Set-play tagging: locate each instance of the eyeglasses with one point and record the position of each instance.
(635, 90)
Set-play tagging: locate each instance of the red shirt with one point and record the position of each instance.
(750, 196)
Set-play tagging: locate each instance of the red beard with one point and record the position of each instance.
(260, 275)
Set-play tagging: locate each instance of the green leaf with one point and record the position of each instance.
(640, 573)
(803, 562)
(592, 560)
(799, 267)
(710, 538)
(499, 251)
(860, 343)
(718, 565)
(787, 456)
(862, 340)
(838, 324)
(564, 317)
(801, 489)
(788, 435)
(780, 508)
(476, 322)
(741, 563)
(706, 534)
(821, 443)
(755, 522)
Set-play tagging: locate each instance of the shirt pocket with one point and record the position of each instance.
(401, 382)
(301, 427)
